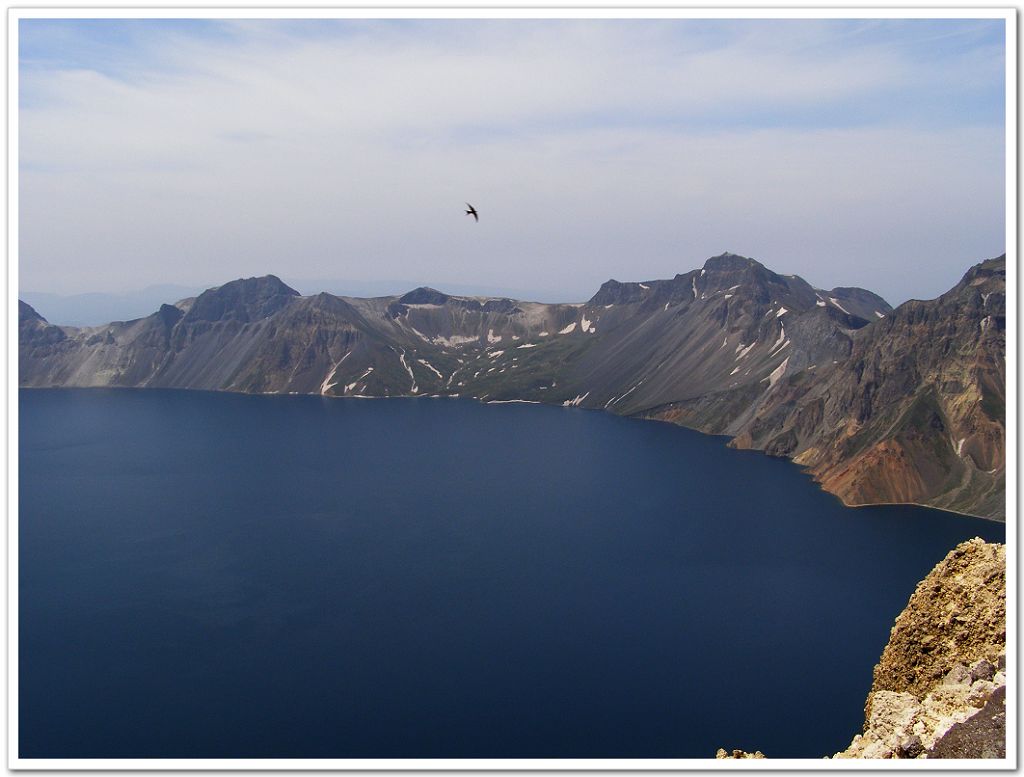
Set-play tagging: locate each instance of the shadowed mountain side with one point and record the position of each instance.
(731, 348)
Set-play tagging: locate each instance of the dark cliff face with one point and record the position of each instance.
(731, 348)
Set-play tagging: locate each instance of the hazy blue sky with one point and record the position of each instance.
(857, 152)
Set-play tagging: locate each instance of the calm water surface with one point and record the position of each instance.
(216, 575)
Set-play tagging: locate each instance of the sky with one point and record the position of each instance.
(850, 152)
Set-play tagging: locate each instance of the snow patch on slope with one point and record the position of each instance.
(352, 385)
(575, 402)
(778, 372)
(401, 358)
(835, 302)
(327, 385)
(455, 340)
(430, 367)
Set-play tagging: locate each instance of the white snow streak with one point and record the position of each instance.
(431, 367)
(575, 402)
(778, 372)
(327, 385)
(352, 385)
(526, 345)
(568, 329)
(401, 358)
(835, 302)
(623, 396)
(455, 340)
(744, 350)
(491, 338)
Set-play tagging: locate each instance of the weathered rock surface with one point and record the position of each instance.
(938, 691)
(955, 618)
(723, 753)
(981, 736)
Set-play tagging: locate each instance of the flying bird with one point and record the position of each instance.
(472, 212)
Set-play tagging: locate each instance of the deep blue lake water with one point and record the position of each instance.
(217, 575)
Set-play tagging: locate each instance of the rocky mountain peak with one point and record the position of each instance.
(28, 313)
(728, 262)
(35, 330)
(991, 271)
(613, 292)
(424, 295)
(246, 299)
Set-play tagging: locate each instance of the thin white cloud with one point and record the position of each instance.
(592, 150)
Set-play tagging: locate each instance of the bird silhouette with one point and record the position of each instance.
(472, 212)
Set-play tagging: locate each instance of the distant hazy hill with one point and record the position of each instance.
(883, 406)
(98, 308)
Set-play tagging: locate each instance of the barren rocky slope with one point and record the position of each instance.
(883, 406)
(914, 413)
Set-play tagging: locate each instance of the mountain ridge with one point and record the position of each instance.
(729, 348)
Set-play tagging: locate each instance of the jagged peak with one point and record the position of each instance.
(861, 296)
(729, 262)
(266, 283)
(245, 299)
(424, 295)
(989, 268)
(28, 313)
(613, 292)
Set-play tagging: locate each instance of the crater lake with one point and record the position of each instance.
(227, 576)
